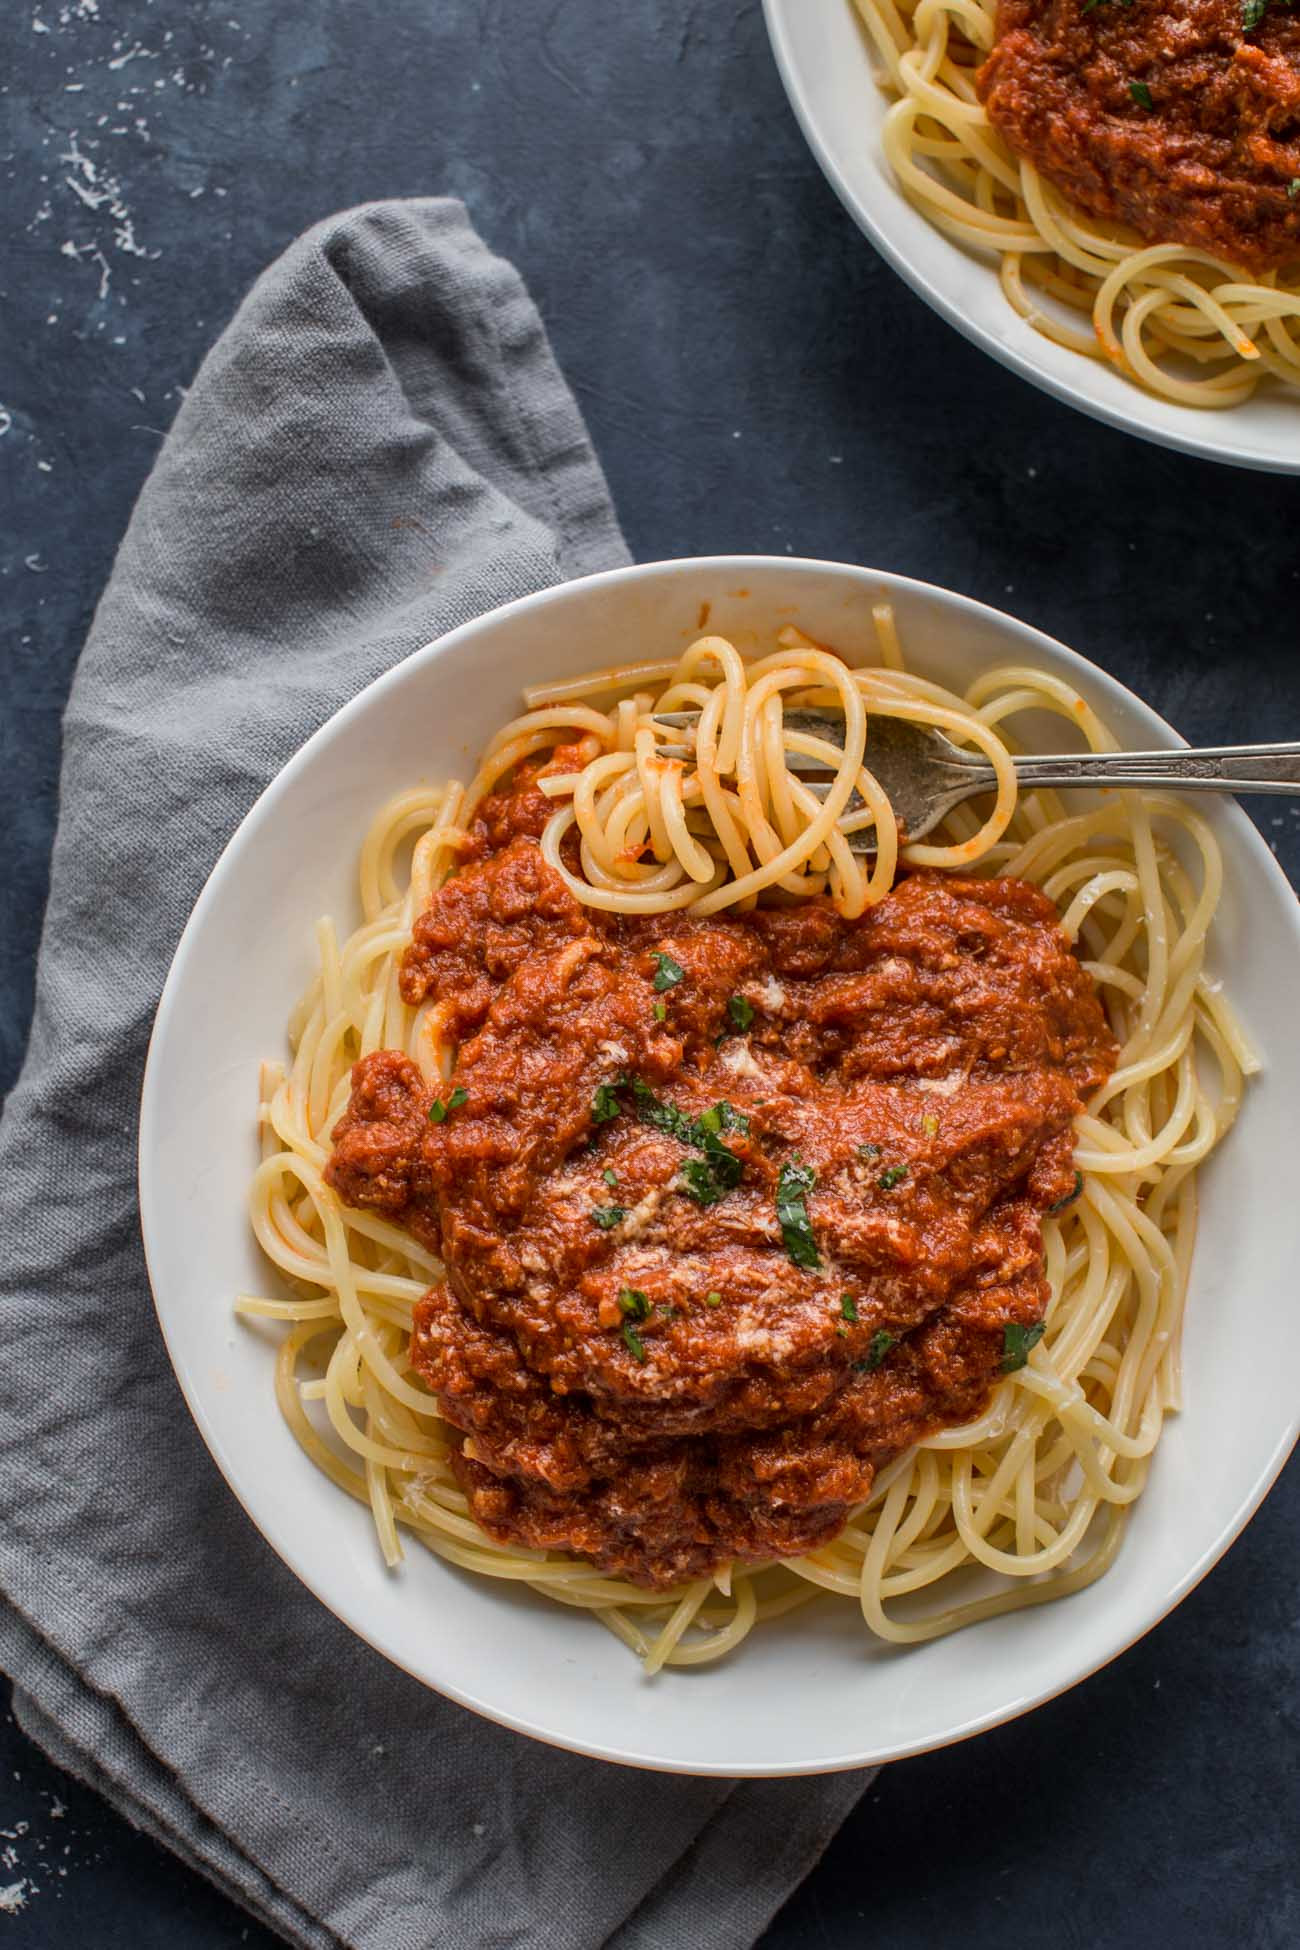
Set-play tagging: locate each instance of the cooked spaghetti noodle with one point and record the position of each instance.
(1182, 323)
(1035, 1493)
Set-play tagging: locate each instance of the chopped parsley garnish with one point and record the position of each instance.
(608, 1216)
(438, 1110)
(848, 1306)
(723, 1163)
(793, 1187)
(1070, 1197)
(1142, 94)
(722, 1117)
(1017, 1343)
(713, 1299)
(633, 1303)
(868, 1150)
(605, 1104)
(893, 1175)
(1253, 11)
(740, 1011)
(668, 973)
(661, 1117)
(706, 1179)
(661, 1011)
(633, 1342)
(1293, 188)
(699, 1182)
(881, 1342)
(718, 1172)
(609, 1175)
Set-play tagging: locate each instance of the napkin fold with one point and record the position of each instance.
(379, 448)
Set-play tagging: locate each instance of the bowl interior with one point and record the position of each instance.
(830, 77)
(815, 1692)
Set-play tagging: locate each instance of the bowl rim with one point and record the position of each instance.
(149, 1171)
(776, 16)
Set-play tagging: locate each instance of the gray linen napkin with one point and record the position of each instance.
(380, 447)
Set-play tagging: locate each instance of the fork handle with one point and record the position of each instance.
(1219, 768)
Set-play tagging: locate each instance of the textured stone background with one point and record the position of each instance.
(754, 378)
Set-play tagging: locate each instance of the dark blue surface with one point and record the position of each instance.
(754, 379)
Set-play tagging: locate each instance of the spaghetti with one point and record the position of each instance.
(1179, 321)
(1034, 1494)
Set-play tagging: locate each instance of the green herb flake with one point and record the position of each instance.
(713, 1299)
(605, 1104)
(633, 1303)
(705, 1179)
(661, 1117)
(1252, 12)
(894, 1175)
(930, 1125)
(1142, 94)
(848, 1306)
(633, 1342)
(1017, 1344)
(711, 1177)
(699, 1182)
(1293, 188)
(881, 1342)
(438, 1110)
(608, 1216)
(793, 1187)
(868, 1150)
(740, 1011)
(661, 1011)
(1070, 1197)
(609, 1175)
(668, 973)
(726, 1167)
(722, 1117)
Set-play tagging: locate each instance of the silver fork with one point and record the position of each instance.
(925, 775)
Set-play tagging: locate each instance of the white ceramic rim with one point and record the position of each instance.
(150, 1175)
(1183, 429)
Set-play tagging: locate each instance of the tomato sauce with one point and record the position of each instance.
(732, 1209)
(1180, 120)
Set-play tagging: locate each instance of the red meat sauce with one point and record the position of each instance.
(1178, 120)
(652, 1381)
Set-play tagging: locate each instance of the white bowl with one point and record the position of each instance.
(831, 79)
(815, 1692)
